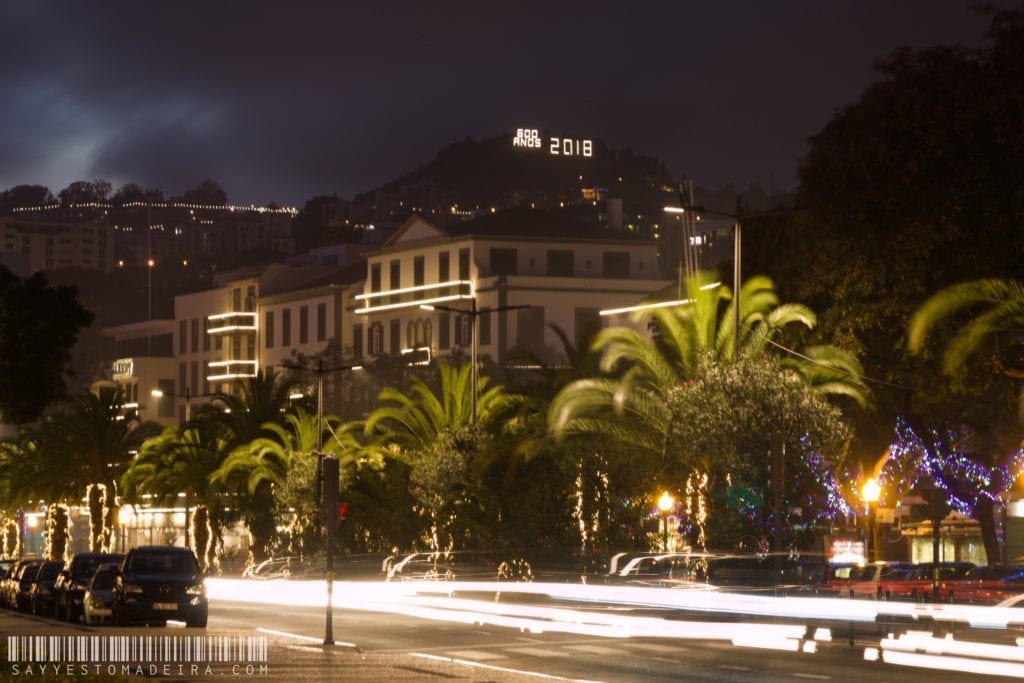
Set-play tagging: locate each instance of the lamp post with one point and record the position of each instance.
(474, 313)
(188, 396)
(869, 493)
(320, 371)
(665, 503)
(737, 255)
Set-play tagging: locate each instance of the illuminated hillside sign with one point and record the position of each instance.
(529, 138)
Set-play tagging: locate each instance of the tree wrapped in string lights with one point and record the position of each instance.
(940, 465)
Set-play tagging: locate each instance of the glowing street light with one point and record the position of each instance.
(665, 504)
(870, 491)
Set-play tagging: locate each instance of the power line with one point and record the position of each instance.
(832, 367)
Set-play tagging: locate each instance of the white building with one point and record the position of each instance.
(511, 273)
(514, 272)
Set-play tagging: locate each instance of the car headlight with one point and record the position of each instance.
(131, 588)
(197, 589)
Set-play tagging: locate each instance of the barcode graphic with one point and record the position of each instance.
(83, 649)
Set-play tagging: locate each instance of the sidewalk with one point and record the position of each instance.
(285, 659)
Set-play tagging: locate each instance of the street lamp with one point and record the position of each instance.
(869, 493)
(473, 314)
(320, 371)
(188, 396)
(665, 504)
(737, 255)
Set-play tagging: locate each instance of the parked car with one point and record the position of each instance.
(23, 584)
(41, 594)
(98, 599)
(73, 580)
(918, 581)
(987, 584)
(157, 583)
(862, 581)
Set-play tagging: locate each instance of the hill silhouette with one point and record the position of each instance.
(494, 172)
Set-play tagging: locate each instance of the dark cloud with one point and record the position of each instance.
(282, 101)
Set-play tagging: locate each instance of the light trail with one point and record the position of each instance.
(470, 603)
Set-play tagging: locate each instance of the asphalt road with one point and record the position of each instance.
(572, 656)
(375, 645)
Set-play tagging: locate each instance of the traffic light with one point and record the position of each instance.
(341, 514)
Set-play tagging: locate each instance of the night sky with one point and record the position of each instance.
(283, 101)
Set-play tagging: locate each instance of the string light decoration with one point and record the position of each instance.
(252, 208)
(963, 480)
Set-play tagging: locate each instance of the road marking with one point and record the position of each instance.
(598, 650)
(656, 647)
(493, 667)
(476, 655)
(817, 677)
(537, 651)
(732, 667)
(299, 636)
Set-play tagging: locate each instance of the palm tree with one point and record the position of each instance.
(999, 311)
(180, 460)
(90, 444)
(634, 403)
(287, 460)
(629, 402)
(237, 421)
(435, 436)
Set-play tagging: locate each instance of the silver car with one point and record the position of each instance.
(99, 596)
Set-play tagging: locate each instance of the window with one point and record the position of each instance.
(357, 341)
(375, 277)
(560, 263)
(286, 327)
(236, 299)
(444, 327)
(616, 264)
(183, 336)
(463, 329)
(418, 275)
(395, 279)
(463, 264)
(503, 261)
(303, 324)
(195, 335)
(194, 374)
(376, 340)
(206, 334)
(443, 267)
(395, 337)
(250, 298)
(182, 378)
(268, 329)
(321, 322)
(530, 328)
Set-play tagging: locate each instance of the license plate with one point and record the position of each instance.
(165, 605)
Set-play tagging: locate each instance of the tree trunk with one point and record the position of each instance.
(985, 514)
(95, 518)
